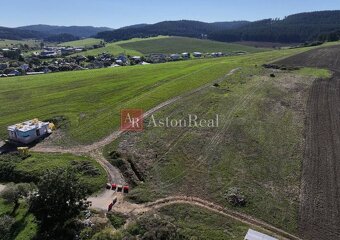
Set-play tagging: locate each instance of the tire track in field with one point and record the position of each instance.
(137, 209)
(94, 149)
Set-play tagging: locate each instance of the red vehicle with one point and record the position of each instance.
(126, 189)
(114, 186)
(110, 207)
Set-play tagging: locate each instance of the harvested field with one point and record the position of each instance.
(319, 214)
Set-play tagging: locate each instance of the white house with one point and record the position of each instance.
(197, 54)
(28, 131)
(175, 56)
(254, 235)
(185, 55)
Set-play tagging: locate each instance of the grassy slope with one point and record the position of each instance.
(81, 43)
(40, 162)
(25, 225)
(95, 97)
(214, 226)
(13, 43)
(257, 147)
(182, 44)
(115, 48)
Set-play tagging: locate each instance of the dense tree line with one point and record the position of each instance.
(292, 29)
(182, 28)
(64, 37)
(18, 34)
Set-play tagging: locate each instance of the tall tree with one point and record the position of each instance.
(59, 200)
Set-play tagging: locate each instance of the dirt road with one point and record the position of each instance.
(319, 213)
(135, 209)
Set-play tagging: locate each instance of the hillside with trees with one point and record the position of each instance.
(323, 25)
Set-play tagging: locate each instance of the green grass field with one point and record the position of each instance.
(112, 48)
(91, 100)
(257, 147)
(164, 44)
(183, 44)
(40, 162)
(90, 173)
(15, 43)
(203, 224)
(87, 42)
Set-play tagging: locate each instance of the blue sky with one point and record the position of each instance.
(114, 13)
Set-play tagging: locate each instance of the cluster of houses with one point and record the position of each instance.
(57, 59)
(51, 52)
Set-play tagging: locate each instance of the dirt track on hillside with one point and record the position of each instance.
(136, 209)
(95, 149)
(319, 213)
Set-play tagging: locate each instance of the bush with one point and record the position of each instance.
(6, 223)
(117, 220)
(235, 197)
(108, 234)
(155, 227)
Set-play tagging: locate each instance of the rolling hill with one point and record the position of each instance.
(19, 34)
(78, 31)
(162, 44)
(295, 28)
(95, 97)
(183, 44)
(183, 28)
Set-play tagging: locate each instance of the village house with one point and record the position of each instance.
(28, 131)
(197, 54)
(185, 55)
(136, 59)
(14, 73)
(3, 66)
(175, 56)
(48, 54)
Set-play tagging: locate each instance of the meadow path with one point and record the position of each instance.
(136, 209)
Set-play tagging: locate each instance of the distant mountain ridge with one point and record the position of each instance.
(182, 28)
(301, 27)
(18, 34)
(77, 31)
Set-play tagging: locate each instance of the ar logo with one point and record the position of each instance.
(131, 120)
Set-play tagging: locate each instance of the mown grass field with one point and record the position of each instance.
(87, 42)
(114, 48)
(183, 44)
(257, 148)
(111, 48)
(91, 100)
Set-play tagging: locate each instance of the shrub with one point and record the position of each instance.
(235, 197)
